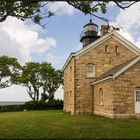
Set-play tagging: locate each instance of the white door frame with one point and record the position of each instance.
(137, 100)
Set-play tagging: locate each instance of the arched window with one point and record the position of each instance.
(106, 49)
(90, 70)
(116, 49)
(101, 99)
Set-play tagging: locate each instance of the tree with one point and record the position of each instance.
(38, 10)
(10, 70)
(51, 80)
(31, 79)
(40, 78)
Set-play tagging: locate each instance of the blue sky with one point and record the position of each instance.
(29, 42)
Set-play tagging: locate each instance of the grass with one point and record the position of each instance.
(57, 124)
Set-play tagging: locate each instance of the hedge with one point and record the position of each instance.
(33, 105)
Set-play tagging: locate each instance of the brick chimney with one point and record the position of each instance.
(104, 30)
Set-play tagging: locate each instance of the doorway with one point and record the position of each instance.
(137, 100)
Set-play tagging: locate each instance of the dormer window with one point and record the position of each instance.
(106, 49)
(90, 70)
(116, 49)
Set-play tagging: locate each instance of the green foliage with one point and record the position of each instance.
(41, 78)
(10, 70)
(38, 10)
(40, 105)
(11, 108)
(33, 105)
(56, 104)
(44, 97)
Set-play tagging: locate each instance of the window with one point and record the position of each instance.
(137, 95)
(117, 49)
(90, 70)
(106, 48)
(101, 100)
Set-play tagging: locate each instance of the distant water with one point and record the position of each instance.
(10, 103)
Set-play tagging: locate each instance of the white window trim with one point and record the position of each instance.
(135, 93)
(93, 74)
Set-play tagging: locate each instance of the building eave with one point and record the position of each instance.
(118, 73)
(68, 60)
(132, 47)
(107, 78)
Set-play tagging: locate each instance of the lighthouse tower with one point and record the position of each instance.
(89, 34)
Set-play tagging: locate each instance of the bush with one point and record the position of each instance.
(33, 105)
(9, 108)
(56, 104)
(40, 105)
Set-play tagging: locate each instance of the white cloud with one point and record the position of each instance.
(111, 4)
(20, 40)
(129, 21)
(62, 8)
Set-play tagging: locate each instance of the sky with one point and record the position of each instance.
(27, 41)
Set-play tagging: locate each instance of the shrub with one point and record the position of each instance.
(56, 104)
(33, 105)
(40, 105)
(8, 108)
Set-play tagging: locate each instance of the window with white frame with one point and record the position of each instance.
(90, 70)
(137, 95)
(101, 98)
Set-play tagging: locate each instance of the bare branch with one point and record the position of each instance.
(122, 6)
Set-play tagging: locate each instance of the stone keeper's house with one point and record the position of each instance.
(103, 77)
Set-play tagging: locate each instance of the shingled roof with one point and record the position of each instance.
(114, 70)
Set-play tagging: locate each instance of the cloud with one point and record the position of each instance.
(111, 4)
(62, 8)
(129, 21)
(20, 40)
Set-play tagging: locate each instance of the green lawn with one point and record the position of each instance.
(57, 124)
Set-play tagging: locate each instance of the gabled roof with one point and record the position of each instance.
(116, 71)
(96, 43)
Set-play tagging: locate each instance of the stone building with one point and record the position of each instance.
(103, 77)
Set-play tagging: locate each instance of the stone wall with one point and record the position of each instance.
(124, 86)
(103, 61)
(69, 87)
(106, 108)
(119, 96)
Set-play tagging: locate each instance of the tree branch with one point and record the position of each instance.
(124, 7)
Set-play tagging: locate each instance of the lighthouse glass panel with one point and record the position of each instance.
(90, 28)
